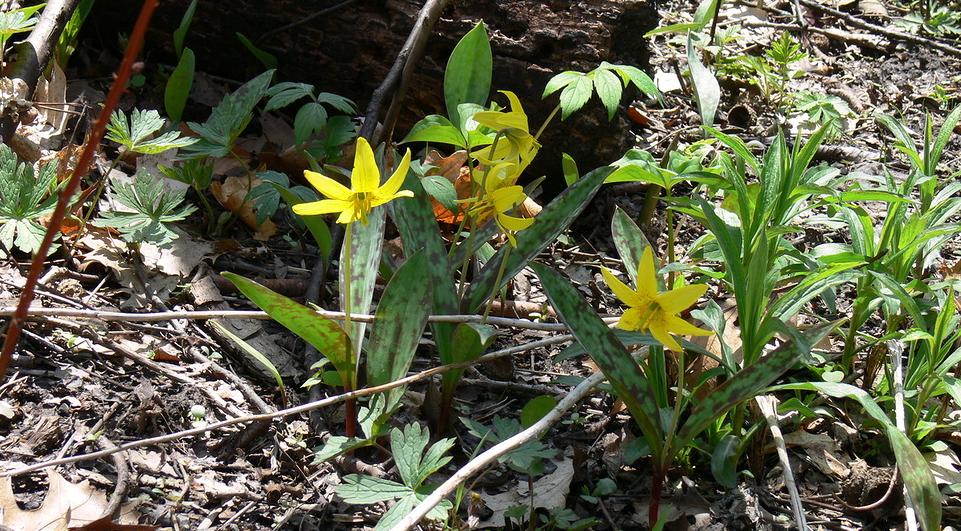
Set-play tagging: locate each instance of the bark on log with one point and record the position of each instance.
(350, 50)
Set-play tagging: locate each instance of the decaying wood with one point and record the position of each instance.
(349, 51)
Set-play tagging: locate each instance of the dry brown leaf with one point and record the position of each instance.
(454, 169)
(106, 524)
(232, 194)
(822, 449)
(550, 492)
(65, 504)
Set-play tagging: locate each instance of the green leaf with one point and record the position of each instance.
(944, 135)
(575, 95)
(724, 461)
(337, 445)
(134, 134)
(569, 167)
(635, 75)
(413, 465)
(322, 333)
(468, 342)
(442, 190)
(547, 226)
(368, 489)
(24, 199)
(419, 231)
(181, 33)
(179, 84)
(629, 241)
(920, 483)
(342, 104)
(435, 128)
(615, 362)
(315, 224)
(467, 78)
(560, 81)
(310, 120)
(269, 60)
(399, 324)
(535, 409)
(365, 252)
(229, 118)
(285, 93)
(749, 382)
(674, 28)
(151, 206)
(706, 87)
(609, 89)
(527, 459)
(252, 352)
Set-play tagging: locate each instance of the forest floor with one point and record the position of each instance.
(85, 381)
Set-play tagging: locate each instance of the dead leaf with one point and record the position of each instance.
(107, 524)
(945, 466)
(454, 169)
(65, 504)
(872, 9)
(822, 450)
(52, 94)
(550, 492)
(179, 257)
(232, 194)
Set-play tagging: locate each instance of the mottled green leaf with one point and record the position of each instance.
(629, 241)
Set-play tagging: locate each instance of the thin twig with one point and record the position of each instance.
(66, 193)
(413, 48)
(768, 407)
(481, 462)
(891, 34)
(147, 317)
(330, 401)
(308, 18)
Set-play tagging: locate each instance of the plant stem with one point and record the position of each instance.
(497, 282)
(657, 483)
(351, 405)
(671, 238)
(547, 120)
(96, 197)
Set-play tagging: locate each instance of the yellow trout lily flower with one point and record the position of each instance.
(499, 197)
(365, 193)
(650, 311)
(516, 144)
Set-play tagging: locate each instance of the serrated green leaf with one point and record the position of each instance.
(283, 94)
(560, 81)
(134, 134)
(547, 226)
(624, 374)
(609, 89)
(322, 333)
(151, 207)
(575, 95)
(310, 120)
(368, 489)
(229, 118)
(467, 78)
(342, 104)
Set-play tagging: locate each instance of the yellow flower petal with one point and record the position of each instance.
(366, 175)
(380, 200)
(512, 223)
(622, 291)
(662, 334)
(392, 186)
(631, 320)
(327, 186)
(647, 275)
(680, 299)
(681, 327)
(324, 206)
(350, 215)
(506, 198)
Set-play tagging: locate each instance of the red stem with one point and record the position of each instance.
(350, 417)
(657, 483)
(83, 166)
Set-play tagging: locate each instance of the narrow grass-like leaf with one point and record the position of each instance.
(178, 86)
(547, 226)
(706, 87)
(748, 383)
(322, 333)
(629, 241)
(254, 353)
(615, 361)
(467, 78)
(920, 483)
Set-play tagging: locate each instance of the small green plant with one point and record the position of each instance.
(17, 21)
(314, 132)
(822, 110)
(937, 18)
(228, 119)
(415, 464)
(150, 207)
(25, 198)
(135, 134)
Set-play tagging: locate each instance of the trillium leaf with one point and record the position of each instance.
(322, 333)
